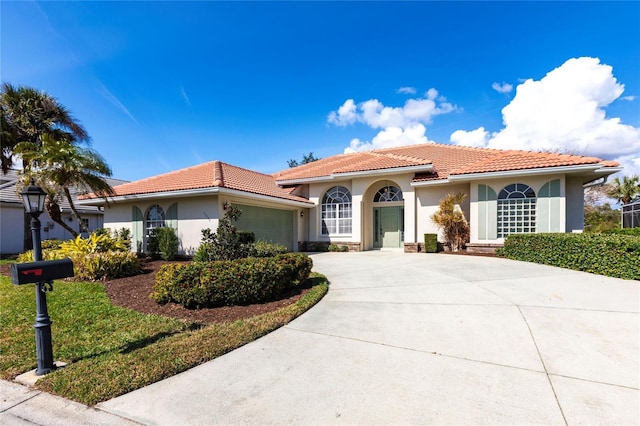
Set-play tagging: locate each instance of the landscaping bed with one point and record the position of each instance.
(133, 293)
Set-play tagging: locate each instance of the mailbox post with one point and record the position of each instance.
(40, 273)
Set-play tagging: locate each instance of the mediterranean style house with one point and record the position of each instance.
(366, 200)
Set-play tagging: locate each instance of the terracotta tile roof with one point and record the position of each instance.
(349, 163)
(446, 160)
(213, 174)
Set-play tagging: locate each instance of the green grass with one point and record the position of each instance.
(112, 350)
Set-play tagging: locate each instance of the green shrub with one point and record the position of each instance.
(105, 266)
(264, 249)
(430, 243)
(227, 242)
(230, 282)
(51, 244)
(153, 244)
(344, 248)
(27, 256)
(95, 243)
(167, 242)
(611, 255)
(246, 237)
(624, 231)
(333, 247)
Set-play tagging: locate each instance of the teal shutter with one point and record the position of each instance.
(548, 207)
(137, 231)
(171, 218)
(487, 213)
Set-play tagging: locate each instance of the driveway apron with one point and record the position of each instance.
(425, 339)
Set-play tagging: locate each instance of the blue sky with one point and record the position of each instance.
(166, 85)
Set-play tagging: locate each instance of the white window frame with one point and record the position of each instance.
(336, 212)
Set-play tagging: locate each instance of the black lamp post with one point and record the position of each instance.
(33, 198)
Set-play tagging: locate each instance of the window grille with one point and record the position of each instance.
(388, 193)
(516, 210)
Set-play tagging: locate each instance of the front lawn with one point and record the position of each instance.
(111, 350)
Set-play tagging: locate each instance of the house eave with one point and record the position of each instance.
(376, 172)
(593, 168)
(194, 193)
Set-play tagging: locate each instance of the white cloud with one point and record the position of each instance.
(407, 90)
(345, 115)
(502, 88)
(628, 98)
(391, 137)
(476, 138)
(398, 125)
(564, 112)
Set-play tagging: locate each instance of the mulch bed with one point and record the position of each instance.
(133, 293)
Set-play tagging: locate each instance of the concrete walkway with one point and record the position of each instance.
(424, 339)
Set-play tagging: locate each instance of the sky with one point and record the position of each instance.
(165, 85)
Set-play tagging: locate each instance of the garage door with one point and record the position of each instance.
(270, 225)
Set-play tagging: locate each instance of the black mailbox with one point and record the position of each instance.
(44, 270)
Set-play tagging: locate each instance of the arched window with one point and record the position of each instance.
(388, 193)
(516, 210)
(336, 211)
(154, 219)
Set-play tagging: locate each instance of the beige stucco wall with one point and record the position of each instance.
(194, 214)
(197, 213)
(362, 191)
(428, 201)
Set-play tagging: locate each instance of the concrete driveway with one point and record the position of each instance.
(425, 339)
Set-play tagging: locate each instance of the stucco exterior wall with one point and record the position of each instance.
(428, 201)
(197, 213)
(194, 214)
(362, 191)
(12, 225)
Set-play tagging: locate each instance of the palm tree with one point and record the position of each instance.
(625, 190)
(450, 218)
(59, 166)
(44, 134)
(27, 115)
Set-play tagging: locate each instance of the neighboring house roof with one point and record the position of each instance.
(9, 193)
(438, 162)
(210, 175)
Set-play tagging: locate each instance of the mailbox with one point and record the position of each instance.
(41, 271)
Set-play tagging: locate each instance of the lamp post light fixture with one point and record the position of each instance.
(33, 198)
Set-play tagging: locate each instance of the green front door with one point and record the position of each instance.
(387, 226)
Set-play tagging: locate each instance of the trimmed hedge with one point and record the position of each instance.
(230, 282)
(624, 231)
(430, 243)
(611, 255)
(264, 249)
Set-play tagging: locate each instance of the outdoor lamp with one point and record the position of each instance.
(33, 198)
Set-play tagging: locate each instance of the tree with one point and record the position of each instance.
(450, 218)
(27, 115)
(308, 158)
(625, 190)
(44, 134)
(225, 243)
(59, 166)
